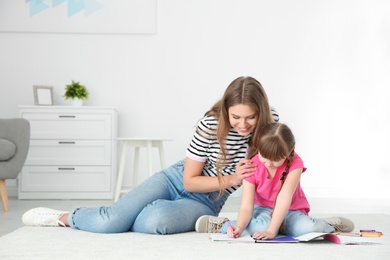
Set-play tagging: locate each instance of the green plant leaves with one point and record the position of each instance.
(76, 90)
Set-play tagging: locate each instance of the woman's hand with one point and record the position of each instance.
(264, 235)
(245, 168)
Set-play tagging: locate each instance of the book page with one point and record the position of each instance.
(310, 236)
(280, 239)
(249, 239)
(225, 237)
(348, 240)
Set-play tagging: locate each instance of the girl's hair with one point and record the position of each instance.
(275, 143)
(245, 91)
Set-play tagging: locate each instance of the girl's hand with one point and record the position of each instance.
(235, 232)
(245, 168)
(264, 235)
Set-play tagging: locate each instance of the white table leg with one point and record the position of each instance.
(162, 157)
(138, 143)
(136, 166)
(121, 170)
(150, 159)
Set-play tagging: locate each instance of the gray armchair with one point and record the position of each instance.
(14, 145)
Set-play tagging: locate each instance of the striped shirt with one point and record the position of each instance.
(204, 147)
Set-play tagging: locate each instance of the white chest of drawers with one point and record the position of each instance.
(72, 153)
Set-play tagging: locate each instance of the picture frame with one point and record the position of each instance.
(43, 95)
(86, 17)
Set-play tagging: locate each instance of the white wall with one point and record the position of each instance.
(324, 64)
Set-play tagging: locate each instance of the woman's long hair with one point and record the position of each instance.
(245, 91)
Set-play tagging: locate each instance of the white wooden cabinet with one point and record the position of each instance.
(72, 153)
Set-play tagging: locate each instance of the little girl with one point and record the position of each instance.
(273, 201)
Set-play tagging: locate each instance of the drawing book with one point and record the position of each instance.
(338, 239)
(248, 239)
(345, 239)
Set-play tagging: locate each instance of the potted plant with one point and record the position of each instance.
(76, 92)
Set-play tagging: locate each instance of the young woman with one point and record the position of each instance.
(173, 199)
(272, 200)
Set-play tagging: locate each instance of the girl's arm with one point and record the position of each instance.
(246, 209)
(194, 181)
(283, 202)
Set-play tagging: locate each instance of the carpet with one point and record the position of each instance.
(65, 243)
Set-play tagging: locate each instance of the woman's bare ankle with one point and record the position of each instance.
(64, 219)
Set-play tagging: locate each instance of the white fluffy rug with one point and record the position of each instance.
(65, 243)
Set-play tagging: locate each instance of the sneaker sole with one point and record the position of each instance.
(350, 227)
(28, 217)
(201, 225)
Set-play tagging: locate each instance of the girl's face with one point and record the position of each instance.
(242, 118)
(270, 165)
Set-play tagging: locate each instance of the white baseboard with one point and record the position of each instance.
(350, 192)
(349, 206)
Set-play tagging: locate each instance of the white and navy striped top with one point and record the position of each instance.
(204, 147)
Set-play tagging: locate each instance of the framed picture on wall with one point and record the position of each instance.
(81, 16)
(43, 95)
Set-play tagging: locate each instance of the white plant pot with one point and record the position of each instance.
(77, 102)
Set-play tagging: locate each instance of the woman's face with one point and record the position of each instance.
(243, 119)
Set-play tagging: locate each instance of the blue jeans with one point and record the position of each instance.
(296, 223)
(159, 205)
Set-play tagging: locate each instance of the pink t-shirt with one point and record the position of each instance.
(266, 189)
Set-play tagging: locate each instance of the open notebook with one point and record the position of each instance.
(335, 238)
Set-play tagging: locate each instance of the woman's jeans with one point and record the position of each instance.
(296, 223)
(159, 205)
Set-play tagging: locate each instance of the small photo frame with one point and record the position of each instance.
(43, 95)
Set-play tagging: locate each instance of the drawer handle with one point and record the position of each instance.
(66, 169)
(66, 142)
(65, 116)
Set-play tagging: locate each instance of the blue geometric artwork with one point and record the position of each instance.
(55, 3)
(79, 16)
(37, 6)
(74, 6)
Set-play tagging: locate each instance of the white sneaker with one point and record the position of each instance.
(43, 217)
(340, 224)
(209, 224)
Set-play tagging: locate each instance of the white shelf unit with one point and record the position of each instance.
(72, 153)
